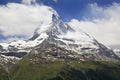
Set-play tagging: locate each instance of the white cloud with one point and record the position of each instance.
(22, 20)
(11, 39)
(106, 27)
(28, 1)
(55, 1)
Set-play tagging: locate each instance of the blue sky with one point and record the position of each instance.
(99, 18)
(69, 9)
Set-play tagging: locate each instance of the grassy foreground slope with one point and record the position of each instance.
(28, 69)
(3, 74)
(89, 70)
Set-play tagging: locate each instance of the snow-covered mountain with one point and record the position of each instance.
(58, 38)
(117, 52)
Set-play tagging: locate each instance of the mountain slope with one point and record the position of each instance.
(62, 70)
(117, 52)
(30, 69)
(71, 42)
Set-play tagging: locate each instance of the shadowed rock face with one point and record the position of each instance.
(15, 54)
(48, 51)
(1, 48)
(34, 37)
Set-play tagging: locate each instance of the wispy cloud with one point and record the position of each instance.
(21, 19)
(55, 1)
(28, 1)
(105, 26)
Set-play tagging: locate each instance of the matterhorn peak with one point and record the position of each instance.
(55, 27)
(51, 34)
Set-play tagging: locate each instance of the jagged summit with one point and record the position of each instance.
(58, 28)
(57, 37)
(55, 27)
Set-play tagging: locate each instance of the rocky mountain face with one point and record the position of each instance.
(56, 40)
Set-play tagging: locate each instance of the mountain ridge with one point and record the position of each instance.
(61, 35)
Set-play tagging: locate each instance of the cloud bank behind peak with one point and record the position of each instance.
(105, 23)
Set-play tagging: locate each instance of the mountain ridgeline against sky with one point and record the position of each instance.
(56, 40)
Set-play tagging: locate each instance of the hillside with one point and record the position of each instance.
(32, 68)
(88, 70)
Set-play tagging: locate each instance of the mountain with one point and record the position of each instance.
(117, 52)
(57, 51)
(56, 40)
